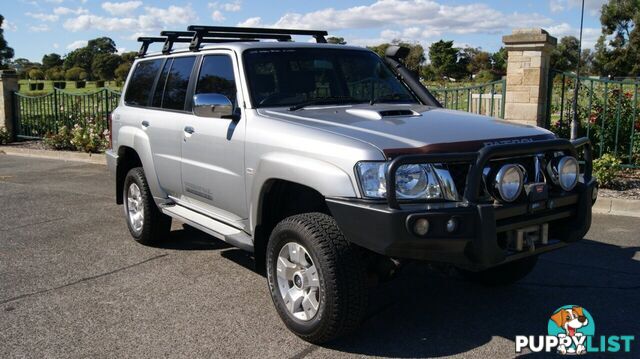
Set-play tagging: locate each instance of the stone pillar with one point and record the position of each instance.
(529, 52)
(8, 84)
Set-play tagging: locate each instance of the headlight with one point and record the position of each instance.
(508, 182)
(412, 181)
(564, 172)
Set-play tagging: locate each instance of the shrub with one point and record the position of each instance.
(36, 74)
(75, 74)
(5, 136)
(606, 169)
(89, 138)
(60, 140)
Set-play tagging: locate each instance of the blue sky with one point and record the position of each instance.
(36, 27)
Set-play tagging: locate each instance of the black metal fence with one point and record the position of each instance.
(608, 111)
(37, 116)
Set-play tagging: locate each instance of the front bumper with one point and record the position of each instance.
(481, 238)
(477, 243)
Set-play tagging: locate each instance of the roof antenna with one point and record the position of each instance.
(575, 122)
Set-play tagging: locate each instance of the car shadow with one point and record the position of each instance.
(425, 313)
(188, 238)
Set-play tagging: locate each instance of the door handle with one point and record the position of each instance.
(190, 130)
(145, 123)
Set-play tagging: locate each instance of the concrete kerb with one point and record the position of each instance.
(95, 158)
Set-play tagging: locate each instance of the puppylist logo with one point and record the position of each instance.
(571, 331)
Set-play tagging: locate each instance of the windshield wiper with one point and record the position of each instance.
(389, 98)
(329, 100)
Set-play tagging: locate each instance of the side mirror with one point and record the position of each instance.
(212, 105)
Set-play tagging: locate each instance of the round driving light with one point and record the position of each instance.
(421, 226)
(452, 225)
(568, 169)
(508, 182)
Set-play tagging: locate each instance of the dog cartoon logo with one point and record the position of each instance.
(571, 322)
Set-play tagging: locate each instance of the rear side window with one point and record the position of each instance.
(162, 81)
(141, 82)
(216, 76)
(175, 90)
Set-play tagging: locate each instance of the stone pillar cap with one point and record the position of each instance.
(8, 73)
(534, 38)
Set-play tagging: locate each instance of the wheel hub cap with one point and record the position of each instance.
(135, 209)
(298, 281)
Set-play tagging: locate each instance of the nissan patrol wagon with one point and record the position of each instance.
(333, 165)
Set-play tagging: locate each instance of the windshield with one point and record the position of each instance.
(289, 77)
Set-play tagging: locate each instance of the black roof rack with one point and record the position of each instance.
(199, 34)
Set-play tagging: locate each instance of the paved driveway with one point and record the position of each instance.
(74, 284)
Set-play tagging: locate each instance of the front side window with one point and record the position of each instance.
(141, 82)
(285, 77)
(216, 76)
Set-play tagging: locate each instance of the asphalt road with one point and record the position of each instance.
(74, 284)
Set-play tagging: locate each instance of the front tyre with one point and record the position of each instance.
(502, 275)
(316, 278)
(145, 221)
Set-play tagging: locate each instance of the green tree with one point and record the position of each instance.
(82, 57)
(54, 74)
(104, 66)
(122, 71)
(499, 62)
(478, 60)
(336, 40)
(102, 45)
(565, 56)
(444, 59)
(36, 74)
(6, 53)
(75, 74)
(51, 60)
(618, 48)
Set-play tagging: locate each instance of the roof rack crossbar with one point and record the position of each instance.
(250, 32)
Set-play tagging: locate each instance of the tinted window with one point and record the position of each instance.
(141, 82)
(162, 81)
(216, 76)
(284, 77)
(175, 91)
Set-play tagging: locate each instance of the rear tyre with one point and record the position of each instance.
(316, 278)
(145, 221)
(502, 275)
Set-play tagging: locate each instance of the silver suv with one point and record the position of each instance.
(334, 166)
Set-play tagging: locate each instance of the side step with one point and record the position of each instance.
(231, 235)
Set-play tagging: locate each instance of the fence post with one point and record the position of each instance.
(528, 66)
(8, 84)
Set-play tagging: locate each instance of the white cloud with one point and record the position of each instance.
(590, 35)
(9, 26)
(39, 28)
(54, 1)
(217, 16)
(56, 45)
(121, 8)
(42, 16)
(77, 44)
(152, 20)
(424, 17)
(234, 6)
(252, 22)
(61, 10)
(556, 5)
